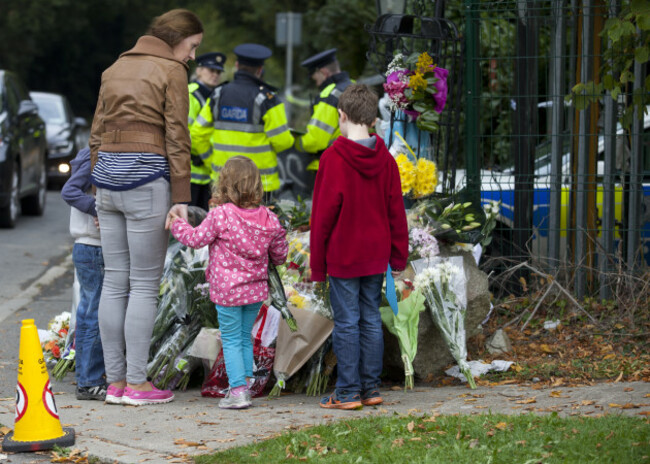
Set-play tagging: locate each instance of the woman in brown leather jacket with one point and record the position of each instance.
(140, 154)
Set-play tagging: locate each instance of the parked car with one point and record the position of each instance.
(500, 186)
(23, 148)
(62, 134)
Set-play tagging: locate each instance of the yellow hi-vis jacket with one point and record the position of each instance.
(323, 127)
(244, 117)
(201, 169)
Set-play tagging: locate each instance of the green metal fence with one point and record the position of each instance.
(574, 185)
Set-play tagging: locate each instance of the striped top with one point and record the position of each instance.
(125, 171)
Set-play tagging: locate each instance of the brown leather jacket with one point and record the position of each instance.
(142, 107)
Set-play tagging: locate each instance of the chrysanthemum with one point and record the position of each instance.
(426, 178)
(406, 172)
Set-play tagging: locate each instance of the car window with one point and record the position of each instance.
(51, 110)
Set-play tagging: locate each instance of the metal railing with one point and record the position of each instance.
(574, 186)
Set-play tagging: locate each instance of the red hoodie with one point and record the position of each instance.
(358, 221)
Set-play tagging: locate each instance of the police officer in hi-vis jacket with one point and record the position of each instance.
(244, 117)
(208, 76)
(323, 127)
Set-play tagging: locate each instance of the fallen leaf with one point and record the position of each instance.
(501, 425)
(628, 389)
(558, 394)
(532, 399)
(587, 402)
(474, 443)
(398, 442)
(618, 379)
(546, 349)
(410, 426)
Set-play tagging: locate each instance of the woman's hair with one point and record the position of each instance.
(175, 25)
(239, 183)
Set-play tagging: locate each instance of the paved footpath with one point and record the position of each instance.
(193, 425)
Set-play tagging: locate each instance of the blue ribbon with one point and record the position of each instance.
(391, 291)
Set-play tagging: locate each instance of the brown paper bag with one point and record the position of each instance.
(293, 349)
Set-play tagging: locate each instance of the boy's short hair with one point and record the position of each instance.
(359, 103)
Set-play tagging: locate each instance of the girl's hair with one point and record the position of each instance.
(239, 183)
(175, 25)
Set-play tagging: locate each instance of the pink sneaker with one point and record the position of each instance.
(155, 396)
(114, 395)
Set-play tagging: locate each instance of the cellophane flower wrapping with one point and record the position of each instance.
(404, 326)
(53, 340)
(443, 284)
(184, 307)
(307, 346)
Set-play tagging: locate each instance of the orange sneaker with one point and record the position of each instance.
(334, 401)
(371, 398)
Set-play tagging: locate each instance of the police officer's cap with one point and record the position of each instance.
(317, 61)
(212, 60)
(252, 54)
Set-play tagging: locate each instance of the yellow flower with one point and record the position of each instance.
(297, 300)
(406, 172)
(417, 82)
(426, 177)
(424, 61)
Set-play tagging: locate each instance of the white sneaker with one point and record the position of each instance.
(241, 401)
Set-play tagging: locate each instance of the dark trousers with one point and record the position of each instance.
(201, 194)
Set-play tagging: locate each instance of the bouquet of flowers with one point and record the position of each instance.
(443, 285)
(419, 176)
(184, 307)
(53, 339)
(405, 324)
(450, 219)
(416, 86)
(492, 209)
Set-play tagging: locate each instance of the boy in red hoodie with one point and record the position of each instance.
(358, 227)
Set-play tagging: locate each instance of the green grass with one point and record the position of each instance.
(457, 439)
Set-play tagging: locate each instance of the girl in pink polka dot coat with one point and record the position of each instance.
(242, 236)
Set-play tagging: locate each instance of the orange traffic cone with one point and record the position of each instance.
(37, 425)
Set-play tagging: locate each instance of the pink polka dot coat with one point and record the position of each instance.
(241, 241)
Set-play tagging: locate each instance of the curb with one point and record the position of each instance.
(28, 295)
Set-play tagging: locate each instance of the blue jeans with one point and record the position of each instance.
(89, 264)
(357, 337)
(236, 324)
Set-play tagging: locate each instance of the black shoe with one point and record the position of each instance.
(97, 392)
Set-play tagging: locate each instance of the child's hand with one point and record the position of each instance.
(396, 274)
(178, 211)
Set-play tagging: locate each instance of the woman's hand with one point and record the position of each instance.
(177, 211)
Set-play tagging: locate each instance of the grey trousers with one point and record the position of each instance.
(134, 243)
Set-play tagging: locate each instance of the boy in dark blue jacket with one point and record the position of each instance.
(89, 266)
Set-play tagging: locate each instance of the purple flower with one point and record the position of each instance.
(440, 97)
